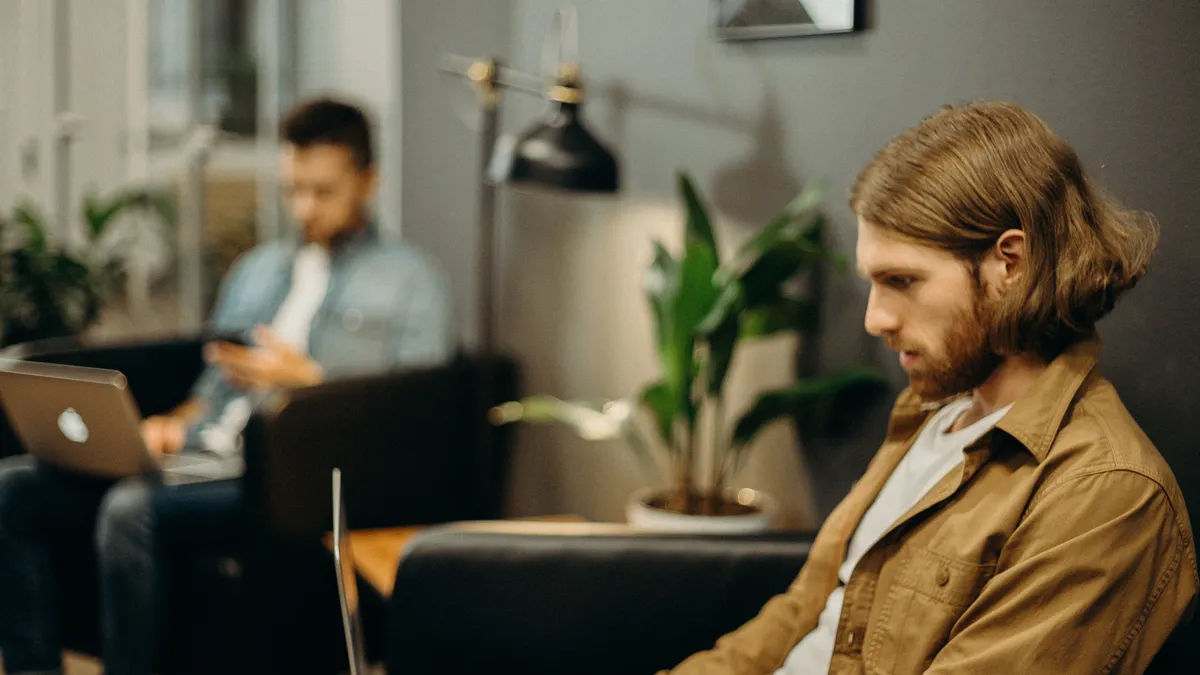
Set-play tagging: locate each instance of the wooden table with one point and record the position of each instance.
(377, 552)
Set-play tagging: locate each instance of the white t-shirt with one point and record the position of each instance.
(310, 282)
(933, 455)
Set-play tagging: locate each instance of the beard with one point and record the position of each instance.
(967, 361)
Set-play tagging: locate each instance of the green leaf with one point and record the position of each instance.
(35, 227)
(697, 294)
(693, 301)
(681, 294)
(699, 226)
(660, 284)
(585, 419)
(798, 213)
(809, 198)
(785, 402)
(789, 314)
(614, 420)
(657, 397)
(92, 215)
(762, 282)
(99, 214)
(728, 302)
(721, 343)
(814, 231)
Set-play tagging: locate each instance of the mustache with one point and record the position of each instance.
(894, 344)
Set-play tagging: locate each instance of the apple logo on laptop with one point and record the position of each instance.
(72, 426)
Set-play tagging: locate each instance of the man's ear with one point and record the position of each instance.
(1005, 262)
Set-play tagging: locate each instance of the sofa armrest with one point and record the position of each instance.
(477, 599)
(413, 445)
(160, 372)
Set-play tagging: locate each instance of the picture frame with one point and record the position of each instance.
(762, 19)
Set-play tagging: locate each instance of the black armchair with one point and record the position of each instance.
(509, 598)
(415, 443)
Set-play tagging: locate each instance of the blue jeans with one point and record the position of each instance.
(133, 522)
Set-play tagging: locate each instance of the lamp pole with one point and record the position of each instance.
(485, 75)
(489, 77)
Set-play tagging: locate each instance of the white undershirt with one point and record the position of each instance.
(310, 282)
(933, 455)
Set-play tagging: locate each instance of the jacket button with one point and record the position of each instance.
(943, 576)
(352, 320)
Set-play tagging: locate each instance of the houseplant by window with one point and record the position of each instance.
(705, 302)
(49, 289)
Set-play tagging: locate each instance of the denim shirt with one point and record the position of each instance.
(387, 305)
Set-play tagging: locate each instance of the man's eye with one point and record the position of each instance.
(901, 283)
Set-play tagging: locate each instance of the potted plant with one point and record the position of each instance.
(704, 304)
(49, 290)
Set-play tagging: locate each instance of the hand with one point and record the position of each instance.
(269, 364)
(164, 434)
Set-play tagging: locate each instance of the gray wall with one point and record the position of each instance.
(440, 147)
(753, 122)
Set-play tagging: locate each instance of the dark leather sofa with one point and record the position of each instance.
(478, 600)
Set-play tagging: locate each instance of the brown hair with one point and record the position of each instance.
(967, 174)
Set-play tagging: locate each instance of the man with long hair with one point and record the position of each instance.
(1016, 518)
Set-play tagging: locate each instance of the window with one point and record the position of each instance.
(228, 74)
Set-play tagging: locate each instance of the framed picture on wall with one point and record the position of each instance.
(755, 19)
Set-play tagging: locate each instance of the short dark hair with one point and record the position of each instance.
(331, 122)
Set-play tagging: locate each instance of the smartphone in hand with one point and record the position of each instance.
(231, 337)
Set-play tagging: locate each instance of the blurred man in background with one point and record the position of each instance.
(330, 302)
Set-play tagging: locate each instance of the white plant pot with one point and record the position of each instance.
(647, 518)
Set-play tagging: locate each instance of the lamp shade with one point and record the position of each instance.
(559, 152)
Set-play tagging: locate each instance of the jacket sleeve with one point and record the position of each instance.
(1093, 580)
(421, 331)
(221, 320)
(760, 645)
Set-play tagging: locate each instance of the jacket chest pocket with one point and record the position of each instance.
(353, 340)
(929, 595)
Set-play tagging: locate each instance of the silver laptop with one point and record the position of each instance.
(347, 581)
(84, 420)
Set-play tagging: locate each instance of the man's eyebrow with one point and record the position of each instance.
(881, 272)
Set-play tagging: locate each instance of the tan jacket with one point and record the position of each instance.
(1060, 545)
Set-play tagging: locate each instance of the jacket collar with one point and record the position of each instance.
(1034, 419)
(344, 245)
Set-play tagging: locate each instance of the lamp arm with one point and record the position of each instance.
(506, 78)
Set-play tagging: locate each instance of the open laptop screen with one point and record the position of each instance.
(347, 580)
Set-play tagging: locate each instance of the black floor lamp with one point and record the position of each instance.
(557, 152)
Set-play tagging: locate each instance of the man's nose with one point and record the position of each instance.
(304, 207)
(879, 320)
